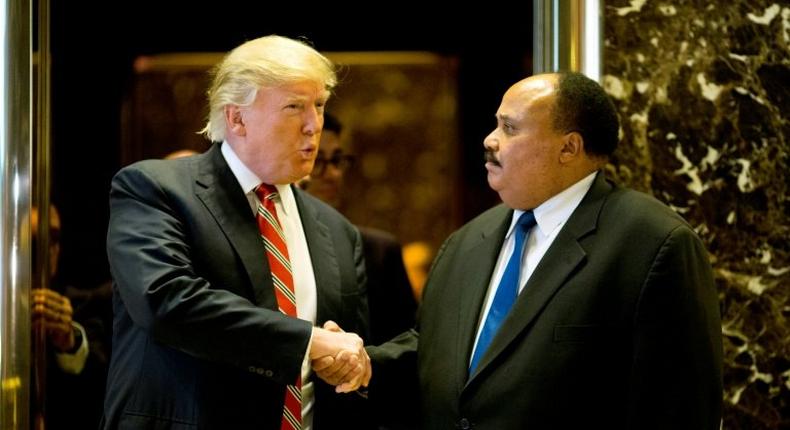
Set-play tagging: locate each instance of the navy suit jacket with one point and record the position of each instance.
(198, 340)
(618, 327)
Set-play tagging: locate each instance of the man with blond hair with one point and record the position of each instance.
(224, 271)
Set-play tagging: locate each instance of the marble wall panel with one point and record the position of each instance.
(703, 93)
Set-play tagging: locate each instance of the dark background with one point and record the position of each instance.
(93, 48)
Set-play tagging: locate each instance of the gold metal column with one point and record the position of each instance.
(568, 36)
(41, 197)
(15, 186)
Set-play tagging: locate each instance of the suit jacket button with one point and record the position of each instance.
(269, 373)
(464, 424)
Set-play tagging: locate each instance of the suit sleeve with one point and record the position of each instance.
(676, 379)
(395, 386)
(151, 263)
(400, 292)
(361, 313)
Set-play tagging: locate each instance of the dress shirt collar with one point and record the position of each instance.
(558, 209)
(248, 180)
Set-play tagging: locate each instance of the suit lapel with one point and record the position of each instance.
(556, 266)
(323, 258)
(482, 255)
(220, 192)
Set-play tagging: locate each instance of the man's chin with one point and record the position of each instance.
(303, 169)
(493, 182)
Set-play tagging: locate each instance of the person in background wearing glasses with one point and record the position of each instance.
(331, 163)
(390, 298)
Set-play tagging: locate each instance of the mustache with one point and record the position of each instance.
(491, 158)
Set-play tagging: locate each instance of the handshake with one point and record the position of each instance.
(339, 358)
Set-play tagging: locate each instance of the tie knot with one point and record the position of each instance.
(526, 221)
(265, 191)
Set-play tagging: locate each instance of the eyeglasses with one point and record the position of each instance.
(339, 160)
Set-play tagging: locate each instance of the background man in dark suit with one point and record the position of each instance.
(612, 319)
(199, 341)
(390, 298)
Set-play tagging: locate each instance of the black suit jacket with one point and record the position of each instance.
(618, 327)
(392, 311)
(198, 340)
(390, 297)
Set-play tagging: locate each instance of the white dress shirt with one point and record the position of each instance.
(74, 362)
(550, 217)
(299, 255)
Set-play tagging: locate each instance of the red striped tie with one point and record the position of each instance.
(280, 264)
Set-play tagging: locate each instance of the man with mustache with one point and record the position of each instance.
(574, 304)
(223, 270)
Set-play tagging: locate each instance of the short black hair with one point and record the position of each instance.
(331, 123)
(583, 106)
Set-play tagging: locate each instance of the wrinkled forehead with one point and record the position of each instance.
(528, 97)
(299, 88)
(533, 88)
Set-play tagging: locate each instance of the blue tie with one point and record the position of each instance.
(507, 292)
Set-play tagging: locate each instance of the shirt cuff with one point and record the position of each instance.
(307, 366)
(74, 362)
